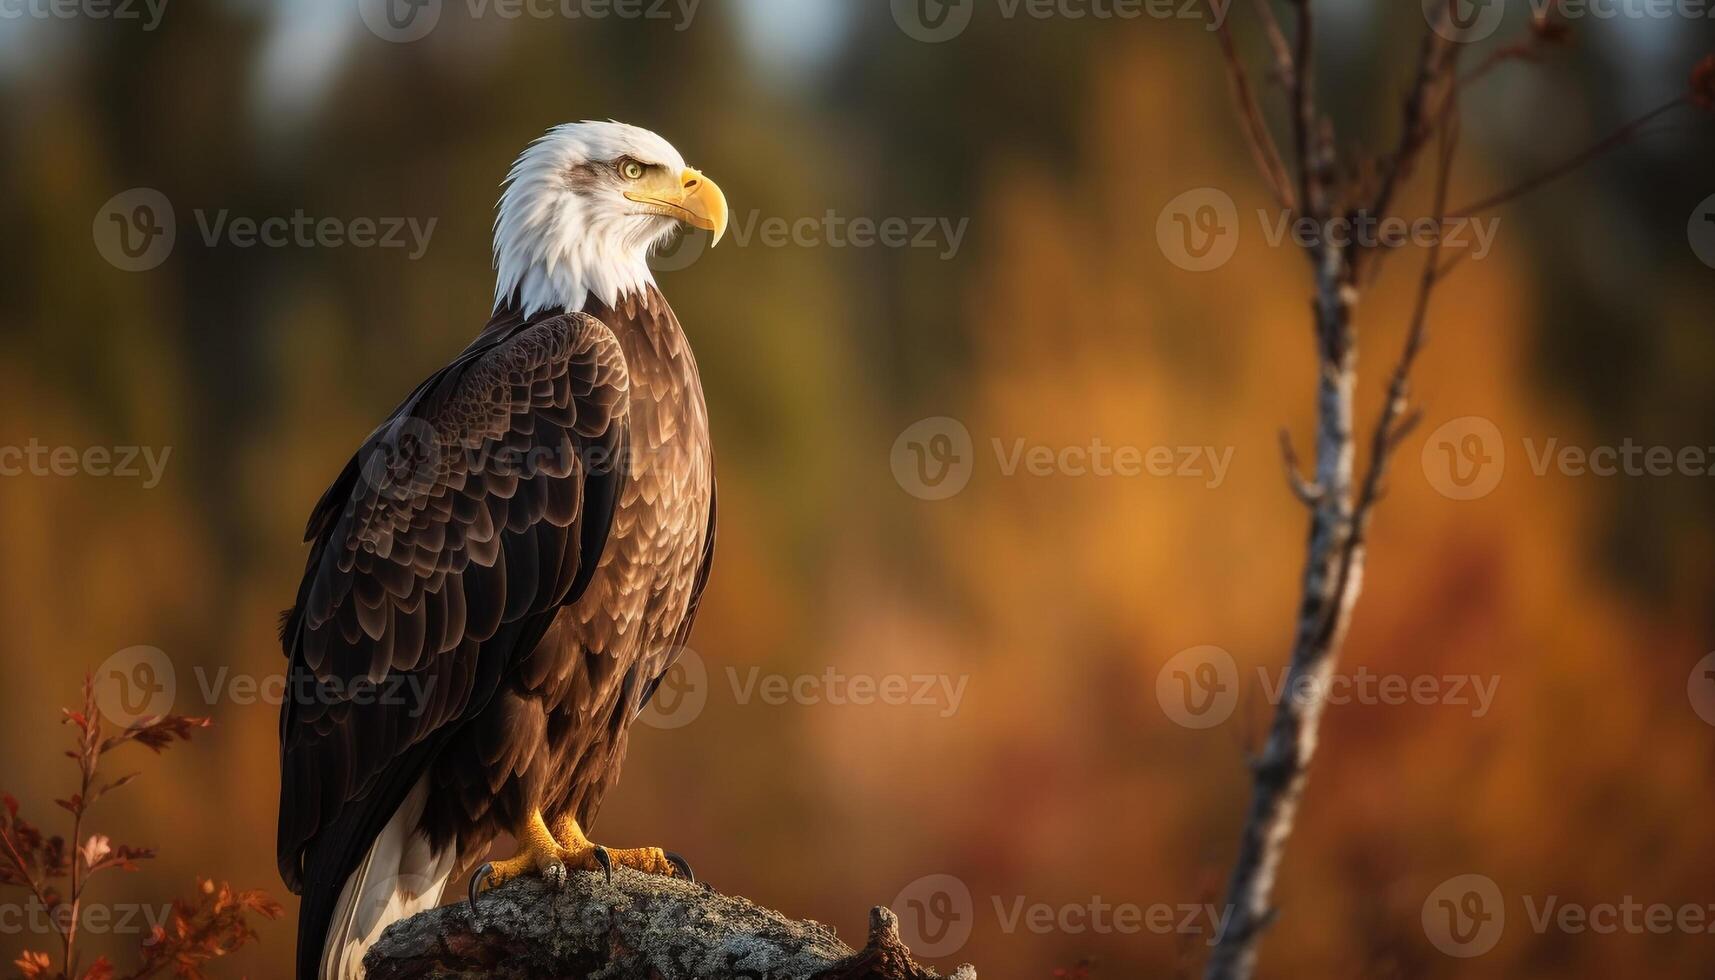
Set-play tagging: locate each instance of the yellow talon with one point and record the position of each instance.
(585, 855)
(551, 854)
(538, 854)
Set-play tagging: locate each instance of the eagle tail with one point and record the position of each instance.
(400, 876)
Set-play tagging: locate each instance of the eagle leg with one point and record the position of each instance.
(539, 854)
(585, 855)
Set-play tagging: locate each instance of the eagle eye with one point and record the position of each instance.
(631, 169)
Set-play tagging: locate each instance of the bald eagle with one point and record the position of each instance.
(507, 567)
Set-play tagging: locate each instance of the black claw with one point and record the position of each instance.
(476, 881)
(682, 865)
(605, 861)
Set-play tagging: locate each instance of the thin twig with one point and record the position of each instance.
(1390, 429)
(1308, 493)
(24, 870)
(1283, 70)
(88, 754)
(1413, 134)
(1304, 117)
(1620, 137)
(1517, 51)
(1262, 146)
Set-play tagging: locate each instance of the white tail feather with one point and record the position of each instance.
(399, 877)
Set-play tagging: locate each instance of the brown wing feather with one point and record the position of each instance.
(683, 634)
(439, 558)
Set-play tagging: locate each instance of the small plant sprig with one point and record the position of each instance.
(212, 923)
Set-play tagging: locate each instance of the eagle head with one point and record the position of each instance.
(583, 208)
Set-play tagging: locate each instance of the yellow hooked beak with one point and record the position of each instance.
(693, 199)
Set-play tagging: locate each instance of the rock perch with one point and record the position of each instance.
(639, 927)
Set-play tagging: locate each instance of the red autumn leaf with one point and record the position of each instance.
(263, 904)
(159, 733)
(34, 966)
(1550, 31)
(125, 858)
(211, 924)
(1703, 84)
(1549, 24)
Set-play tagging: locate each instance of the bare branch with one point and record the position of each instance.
(1304, 118)
(1618, 138)
(1283, 70)
(23, 870)
(1307, 492)
(1394, 423)
(1340, 509)
(1517, 51)
(1434, 53)
(1262, 145)
(1333, 563)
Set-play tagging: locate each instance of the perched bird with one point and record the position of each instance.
(506, 569)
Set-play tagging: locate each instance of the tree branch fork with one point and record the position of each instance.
(1322, 188)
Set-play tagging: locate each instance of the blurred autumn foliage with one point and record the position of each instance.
(210, 924)
(1058, 780)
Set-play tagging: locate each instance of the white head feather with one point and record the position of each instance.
(565, 229)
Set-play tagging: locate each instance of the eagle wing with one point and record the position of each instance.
(682, 635)
(439, 559)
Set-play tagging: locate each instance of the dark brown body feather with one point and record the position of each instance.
(516, 592)
(555, 735)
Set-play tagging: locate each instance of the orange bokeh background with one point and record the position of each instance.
(1054, 778)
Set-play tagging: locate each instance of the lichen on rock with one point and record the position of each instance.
(636, 927)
